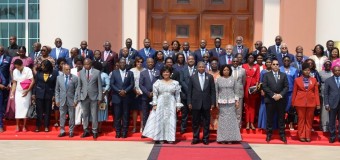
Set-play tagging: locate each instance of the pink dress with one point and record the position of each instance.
(27, 62)
(336, 63)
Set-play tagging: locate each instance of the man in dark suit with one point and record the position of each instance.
(275, 86)
(240, 48)
(330, 46)
(147, 51)
(74, 53)
(108, 57)
(228, 57)
(36, 51)
(201, 98)
(275, 49)
(13, 48)
(201, 51)
(217, 51)
(185, 75)
(332, 102)
(166, 51)
(59, 51)
(258, 46)
(283, 53)
(147, 78)
(186, 51)
(298, 62)
(122, 83)
(132, 53)
(84, 51)
(299, 49)
(129, 61)
(5, 62)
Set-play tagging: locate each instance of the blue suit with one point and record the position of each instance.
(70, 62)
(145, 84)
(121, 104)
(2, 106)
(332, 99)
(198, 55)
(142, 54)
(88, 53)
(223, 59)
(5, 62)
(132, 53)
(63, 53)
(279, 58)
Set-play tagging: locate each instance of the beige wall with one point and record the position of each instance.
(258, 21)
(142, 22)
(298, 24)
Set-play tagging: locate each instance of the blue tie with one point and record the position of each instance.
(66, 81)
(337, 82)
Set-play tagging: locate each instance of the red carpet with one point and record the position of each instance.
(213, 151)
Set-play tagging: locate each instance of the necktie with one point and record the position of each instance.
(150, 75)
(337, 82)
(275, 74)
(190, 71)
(66, 81)
(202, 81)
(88, 75)
(229, 59)
(239, 49)
(147, 52)
(277, 49)
(36, 55)
(83, 54)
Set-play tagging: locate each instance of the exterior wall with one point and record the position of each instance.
(271, 21)
(105, 23)
(142, 22)
(298, 24)
(68, 22)
(130, 22)
(258, 22)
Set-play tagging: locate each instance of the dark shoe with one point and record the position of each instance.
(117, 135)
(95, 135)
(205, 142)
(268, 138)
(302, 140)
(46, 129)
(143, 137)
(182, 131)
(62, 134)
(283, 139)
(331, 140)
(195, 141)
(157, 142)
(85, 134)
(308, 140)
(124, 135)
(71, 135)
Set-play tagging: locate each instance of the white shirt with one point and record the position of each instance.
(201, 79)
(57, 52)
(122, 74)
(191, 70)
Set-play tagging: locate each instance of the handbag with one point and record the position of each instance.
(25, 84)
(32, 111)
(252, 89)
(102, 106)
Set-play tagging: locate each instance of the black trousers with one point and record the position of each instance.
(279, 108)
(44, 107)
(197, 116)
(333, 113)
(146, 108)
(121, 112)
(185, 115)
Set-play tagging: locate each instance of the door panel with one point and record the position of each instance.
(243, 26)
(156, 30)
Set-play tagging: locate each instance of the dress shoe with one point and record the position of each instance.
(124, 135)
(62, 134)
(85, 134)
(117, 135)
(71, 135)
(308, 140)
(283, 139)
(268, 138)
(143, 137)
(182, 131)
(331, 140)
(195, 141)
(37, 129)
(46, 129)
(302, 140)
(95, 135)
(157, 142)
(205, 142)
(1, 129)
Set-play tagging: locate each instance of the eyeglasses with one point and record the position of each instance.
(235, 61)
(275, 64)
(205, 57)
(283, 47)
(256, 44)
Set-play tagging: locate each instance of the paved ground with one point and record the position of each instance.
(90, 150)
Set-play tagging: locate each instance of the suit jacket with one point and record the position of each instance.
(110, 61)
(117, 85)
(279, 58)
(145, 83)
(244, 52)
(142, 54)
(88, 53)
(296, 65)
(133, 53)
(42, 89)
(331, 93)
(32, 55)
(199, 98)
(240, 80)
(91, 88)
(222, 60)
(170, 54)
(270, 86)
(130, 64)
(302, 97)
(272, 51)
(4, 66)
(63, 95)
(198, 55)
(217, 55)
(70, 62)
(175, 75)
(184, 80)
(186, 56)
(64, 53)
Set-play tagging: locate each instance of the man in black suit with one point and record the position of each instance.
(201, 98)
(275, 49)
(129, 61)
(5, 62)
(84, 51)
(166, 51)
(330, 46)
(175, 74)
(13, 47)
(132, 52)
(332, 102)
(186, 51)
(275, 86)
(228, 57)
(36, 51)
(201, 51)
(70, 60)
(240, 48)
(217, 51)
(185, 75)
(258, 46)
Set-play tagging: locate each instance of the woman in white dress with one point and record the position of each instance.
(161, 124)
(136, 104)
(22, 96)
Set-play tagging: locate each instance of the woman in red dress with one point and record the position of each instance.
(250, 100)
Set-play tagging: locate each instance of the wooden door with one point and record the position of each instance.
(193, 20)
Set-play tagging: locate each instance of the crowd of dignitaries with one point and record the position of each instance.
(221, 89)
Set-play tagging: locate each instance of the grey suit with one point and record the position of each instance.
(240, 75)
(332, 100)
(66, 96)
(244, 52)
(89, 93)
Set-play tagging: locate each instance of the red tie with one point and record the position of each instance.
(83, 54)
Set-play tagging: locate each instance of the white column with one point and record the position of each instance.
(327, 21)
(130, 22)
(271, 21)
(66, 19)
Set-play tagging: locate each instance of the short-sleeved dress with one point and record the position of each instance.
(22, 103)
(136, 104)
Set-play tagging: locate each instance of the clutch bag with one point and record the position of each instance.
(25, 84)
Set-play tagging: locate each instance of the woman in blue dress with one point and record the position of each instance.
(262, 120)
(291, 73)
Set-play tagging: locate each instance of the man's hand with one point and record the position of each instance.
(2, 87)
(154, 107)
(237, 104)
(150, 95)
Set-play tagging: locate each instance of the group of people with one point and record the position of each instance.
(221, 88)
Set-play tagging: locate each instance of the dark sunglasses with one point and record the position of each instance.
(275, 64)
